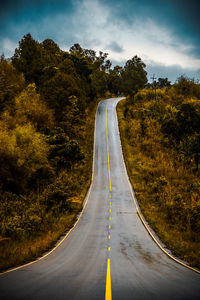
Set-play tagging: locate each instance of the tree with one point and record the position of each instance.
(134, 77)
(64, 152)
(11, 83)
(28, 59)
(51, 53)
(115, 80)
(99, 82)
(187, 87)
(57, 91)
(163, 82)
(30, 108)
(22, 152)
(188, 119)
(190, 147)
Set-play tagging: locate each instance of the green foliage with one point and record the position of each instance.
(163, 83)
(185, 123)
(63, 151)
(11, 83)
(161, 143)
(99, 82)
(187, 87)
(22, 152)
(114, 80)
(30, 108)
(134, 77)
(58, 98)
(46, 138)
(28, 59)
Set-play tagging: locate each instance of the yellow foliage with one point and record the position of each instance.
(29, 108)
(22, 148)
(167, 190)
(29, 104)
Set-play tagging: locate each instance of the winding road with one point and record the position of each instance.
(109, 254)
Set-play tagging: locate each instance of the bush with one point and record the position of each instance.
(22, 152)
(11, 83)
(30, 108)
(63, 151)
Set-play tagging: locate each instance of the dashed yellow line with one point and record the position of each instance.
(108, 293)
(108, 147)
(109, 226)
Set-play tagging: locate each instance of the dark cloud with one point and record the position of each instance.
(180, 16)
(19, 17)
(18, 10)
(189, 11)
(114, 46)
(56, 19)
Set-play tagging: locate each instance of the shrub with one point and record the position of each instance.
(22, 152)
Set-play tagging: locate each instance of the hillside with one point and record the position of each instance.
(161, 144)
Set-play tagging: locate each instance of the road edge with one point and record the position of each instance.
(152, 234)
(78, 217)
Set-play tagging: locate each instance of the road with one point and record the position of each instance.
(109, 249)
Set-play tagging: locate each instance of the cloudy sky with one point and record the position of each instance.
(164, 33)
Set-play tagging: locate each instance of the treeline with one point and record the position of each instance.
(48, 99)
(162, 146)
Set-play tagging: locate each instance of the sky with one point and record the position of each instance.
(164, 33)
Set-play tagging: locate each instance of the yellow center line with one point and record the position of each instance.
(108, 147)
(108, 294)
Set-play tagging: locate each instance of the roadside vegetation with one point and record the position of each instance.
(161, 145)
(48, 100)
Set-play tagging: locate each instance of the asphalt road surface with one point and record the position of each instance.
(109, 250)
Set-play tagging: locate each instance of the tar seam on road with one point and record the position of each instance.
(143, 219)
(67, 234)
(108, 291)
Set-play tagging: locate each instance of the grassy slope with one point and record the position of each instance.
(13, 253)
(137, 163)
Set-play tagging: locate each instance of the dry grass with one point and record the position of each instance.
(17, 253)
(158, 180)
(14, 253)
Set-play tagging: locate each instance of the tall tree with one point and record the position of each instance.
(28, 59)
(11, 83)
(134, 77)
